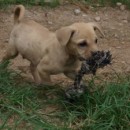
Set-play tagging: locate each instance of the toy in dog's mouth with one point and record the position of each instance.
(97, 60)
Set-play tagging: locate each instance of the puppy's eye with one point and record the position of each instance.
(83, 44)
(96, 40)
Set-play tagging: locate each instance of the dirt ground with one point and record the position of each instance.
(115, 24)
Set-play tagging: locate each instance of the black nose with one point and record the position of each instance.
(94, 52)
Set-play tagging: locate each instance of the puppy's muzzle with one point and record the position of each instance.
(81, 58)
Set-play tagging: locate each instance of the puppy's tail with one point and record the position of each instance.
(18, 13)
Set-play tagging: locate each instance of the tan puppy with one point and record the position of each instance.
(51, 52)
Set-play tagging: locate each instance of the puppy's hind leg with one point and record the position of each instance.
(11, 52)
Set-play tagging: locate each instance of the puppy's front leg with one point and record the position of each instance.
(35, 73)
(44, 76)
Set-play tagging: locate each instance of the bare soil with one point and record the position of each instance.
(115, 24)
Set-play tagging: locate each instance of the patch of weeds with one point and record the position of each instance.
(126, 2)
(106, 2)
(24, 106)
(20, 103)
(106, 108)
(5, 3)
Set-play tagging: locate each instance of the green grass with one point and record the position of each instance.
(24, 106)
(54, 3)
(107, 2)
(5, 3)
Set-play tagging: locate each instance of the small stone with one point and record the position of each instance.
(124, 18)
(98, 5)
(47, 1)
(97, 18)
(113, 27)
(122, 7)
(128, 17)
(49, 22)
(106, 15)
(89, 19)
(118, 47)
(125, 21)
(118, 4)
(66, 2)
(120, 24)
(123, 62)
(6, 41)
(84, 15)
(77, 11)
(105, 19)
(116, 36)
(91, 7)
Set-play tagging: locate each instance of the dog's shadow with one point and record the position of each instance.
(48, 92)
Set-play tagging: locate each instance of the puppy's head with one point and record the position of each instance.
(79, 39)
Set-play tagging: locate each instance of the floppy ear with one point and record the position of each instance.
(64, 35)
(97, 27)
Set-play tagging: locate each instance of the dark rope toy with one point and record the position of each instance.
(97, 60)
